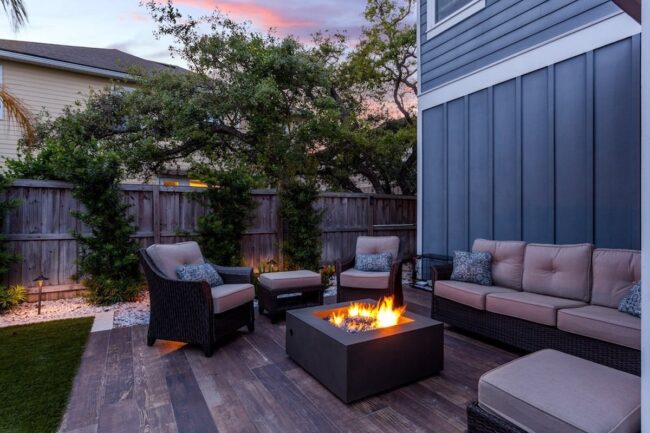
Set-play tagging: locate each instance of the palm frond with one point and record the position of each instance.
(16, 10)
(19, 112)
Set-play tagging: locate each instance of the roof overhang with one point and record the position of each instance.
(631, 7)
(65, 66)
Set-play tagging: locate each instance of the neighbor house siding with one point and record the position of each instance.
(41, 89)
(502, 29)
(552, 156)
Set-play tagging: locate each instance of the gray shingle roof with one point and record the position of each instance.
(103, 58)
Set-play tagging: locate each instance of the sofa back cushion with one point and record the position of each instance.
(614, 272)
(167, 257)
(507, 261)
(563, 271)
(378, 244)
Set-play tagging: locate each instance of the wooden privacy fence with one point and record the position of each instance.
(40, 229)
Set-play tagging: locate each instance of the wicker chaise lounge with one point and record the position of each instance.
(191, 311)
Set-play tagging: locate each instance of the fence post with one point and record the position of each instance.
(371, 215)
(155, 205)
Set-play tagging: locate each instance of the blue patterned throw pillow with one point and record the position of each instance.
(199, 272)
(631, 303)
(373, 262)
(473, 267)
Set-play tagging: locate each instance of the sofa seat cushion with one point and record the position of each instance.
(507, 261)
(614, 272)
(552, 392)
(290, 279)
(167, 257)
(558, 270)
(228, 296)
(602, 323)
(470, 294)
(364, 280)
(529, 306)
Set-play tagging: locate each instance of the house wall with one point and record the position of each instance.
(550, 156)
(41, 89)
(502, 29)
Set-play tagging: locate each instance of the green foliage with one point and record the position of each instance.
(302, 235)
(108, 261)
(9, 296)
(39, 362)
(230, 206)
(12, 296)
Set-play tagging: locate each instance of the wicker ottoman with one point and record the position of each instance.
(282, 291)
(552, 392)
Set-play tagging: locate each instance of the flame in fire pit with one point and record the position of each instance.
(365, 317)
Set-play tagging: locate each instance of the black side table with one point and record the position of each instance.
(433, 266)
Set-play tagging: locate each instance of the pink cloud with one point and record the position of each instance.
(260, 15)
(134, 16)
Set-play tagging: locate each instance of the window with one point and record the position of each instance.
(444, 14)
(445, 8)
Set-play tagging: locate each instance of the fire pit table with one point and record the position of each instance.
(363, 362)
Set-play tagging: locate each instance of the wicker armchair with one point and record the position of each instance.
(191, 311)
(353, 285)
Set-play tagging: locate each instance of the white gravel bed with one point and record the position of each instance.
(124, 314)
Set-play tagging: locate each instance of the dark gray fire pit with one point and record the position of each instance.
(355, 366)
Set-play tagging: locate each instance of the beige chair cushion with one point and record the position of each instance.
(470, 294)
(602, 323)
(365, 280)
(529, 306)
(558, 270)
(507, 261)
(290, 279)
(167, 257)
(614, 272)
(228, 296)
(552, 392)
(378, 244)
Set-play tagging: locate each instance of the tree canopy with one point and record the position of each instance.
(287, 109)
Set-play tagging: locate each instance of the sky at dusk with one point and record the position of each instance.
(125, 25)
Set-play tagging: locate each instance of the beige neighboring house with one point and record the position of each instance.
(50, 77)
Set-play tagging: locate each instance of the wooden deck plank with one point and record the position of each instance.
(250, 385)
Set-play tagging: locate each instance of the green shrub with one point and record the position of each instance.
(12, 296)
(230, 206)
(108, 261)
(302, 235)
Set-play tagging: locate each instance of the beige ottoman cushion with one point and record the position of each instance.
(228, 296)
(364, 280)
(290, 279)
(470, 294)
(529, 306)
(552, 392)
(603, 323)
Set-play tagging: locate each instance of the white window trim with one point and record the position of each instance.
(435, 28)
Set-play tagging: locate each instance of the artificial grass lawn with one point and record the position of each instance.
(37, 366)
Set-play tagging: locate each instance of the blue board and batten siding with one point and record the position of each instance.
(502, 29)
(552, 156)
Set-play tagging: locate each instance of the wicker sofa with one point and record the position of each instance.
(192, 311)
(561, 297)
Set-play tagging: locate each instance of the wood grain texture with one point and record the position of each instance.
(250, 385)
(40, 229)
